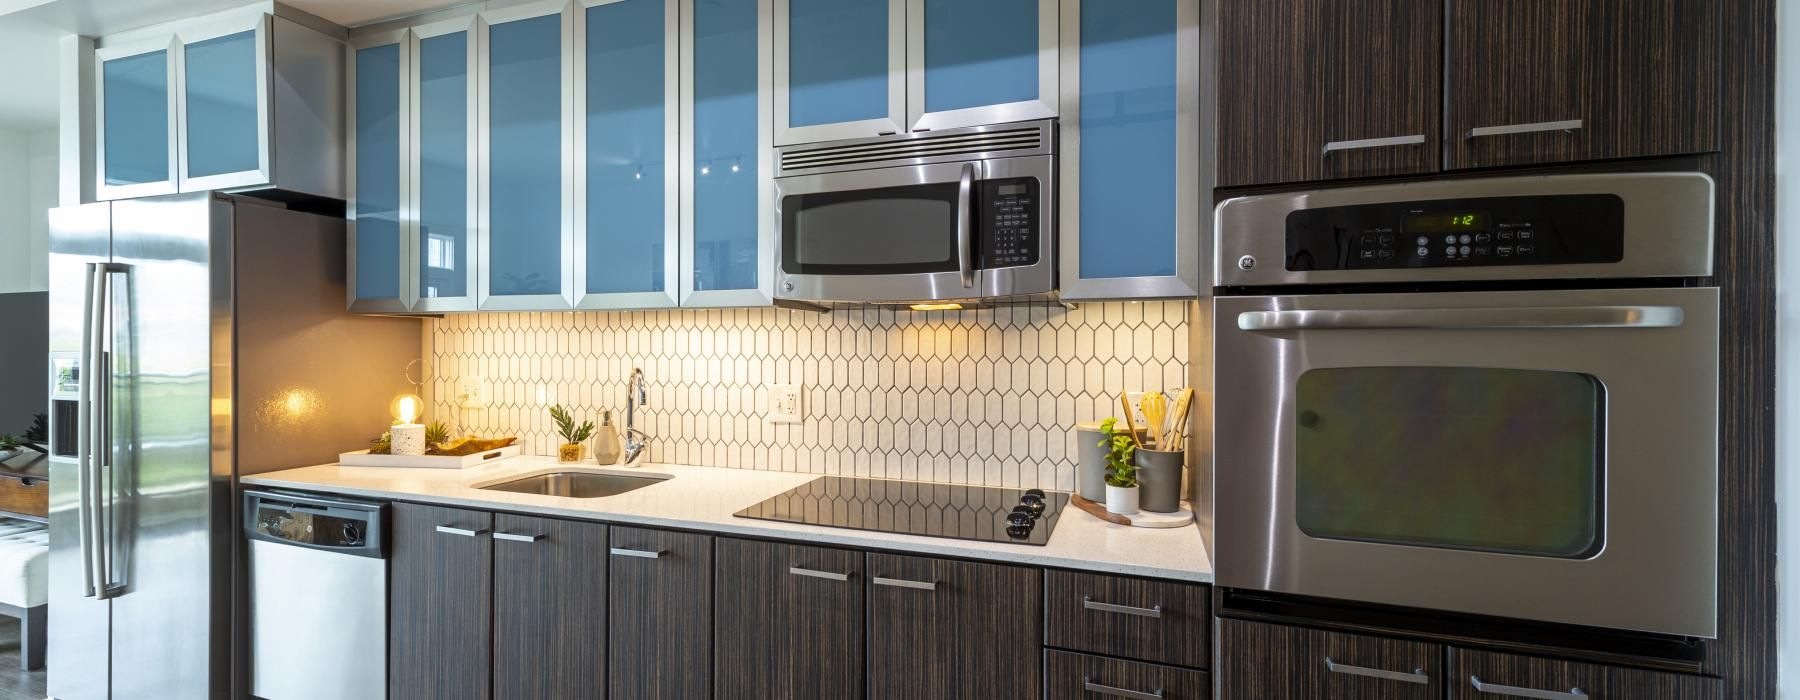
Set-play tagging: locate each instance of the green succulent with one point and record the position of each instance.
(437, 433)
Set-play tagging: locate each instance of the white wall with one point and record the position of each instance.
(28, 189)
(1787, 348)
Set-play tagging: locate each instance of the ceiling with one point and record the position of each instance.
(353, 13)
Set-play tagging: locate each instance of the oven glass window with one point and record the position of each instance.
(882, 231)
(1497, 460)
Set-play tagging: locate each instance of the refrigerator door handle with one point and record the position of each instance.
(98, 463)
(85, 415)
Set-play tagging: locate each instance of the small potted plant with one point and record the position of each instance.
(1121, 469)
(574, 447)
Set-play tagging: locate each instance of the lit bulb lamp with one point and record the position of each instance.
(407, 436)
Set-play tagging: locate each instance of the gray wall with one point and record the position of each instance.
(24, 358)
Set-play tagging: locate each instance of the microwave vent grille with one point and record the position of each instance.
(992, 143)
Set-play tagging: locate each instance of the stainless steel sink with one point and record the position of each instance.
(577, 484)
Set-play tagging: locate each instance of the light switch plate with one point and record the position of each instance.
(471, 392)
(785, 405)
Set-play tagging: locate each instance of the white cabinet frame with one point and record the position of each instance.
(172, 47)
(409, 287)
(1044, 107)
(262, 174)
(413, 229)
(895, 120)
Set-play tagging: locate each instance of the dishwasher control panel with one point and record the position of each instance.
(350, 527)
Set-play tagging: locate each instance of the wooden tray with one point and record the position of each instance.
(362, 458)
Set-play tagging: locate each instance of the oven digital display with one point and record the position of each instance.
(1447, 222)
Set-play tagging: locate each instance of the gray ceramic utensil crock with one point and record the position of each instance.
(1159, 480)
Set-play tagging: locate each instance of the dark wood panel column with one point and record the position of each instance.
(439, 603)
(549, 608)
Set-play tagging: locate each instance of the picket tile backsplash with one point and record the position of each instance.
(987, 396)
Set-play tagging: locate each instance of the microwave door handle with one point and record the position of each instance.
(1464, 319)
(965, 220)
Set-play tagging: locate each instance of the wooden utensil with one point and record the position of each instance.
(1156, 408)
(1178, 417)
(1130, 423)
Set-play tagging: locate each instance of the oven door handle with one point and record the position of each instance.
(1464, 319)
(965, 225)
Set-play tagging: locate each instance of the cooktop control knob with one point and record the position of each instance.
(1033, 504)
(1019, 518)
(1039, 493)
(1018, 533)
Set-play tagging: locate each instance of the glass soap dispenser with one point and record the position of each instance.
(606, 441)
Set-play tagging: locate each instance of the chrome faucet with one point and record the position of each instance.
(635, 440)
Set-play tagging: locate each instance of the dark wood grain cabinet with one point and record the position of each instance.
(1082, 676)
(953, 629)
(660, 602)
(1161, 621)
(438, 614)
(788, 621)
(549, 608)
(1478, 675)
(1279, 662)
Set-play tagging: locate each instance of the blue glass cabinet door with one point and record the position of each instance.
(379, 108)
(135, 137)
(224, 108)
(979, 62)
(1132, 194)
(526, 239)
(443, 166)
(627, 225)
(727, 241)
(840, 69)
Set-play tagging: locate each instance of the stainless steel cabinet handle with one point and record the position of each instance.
(1358, 144)
(1089, 685)
(86, 458)
(1417, 676)
(1465, 319)
(1517, 692)
(965, 224)
(463, 531)
(509, 536)
(903, 583)
(1565, 125)
(639, 553)
(797, 571)
(1153, 612)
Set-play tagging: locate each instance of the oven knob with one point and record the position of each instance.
(1018, 532)
(1246, 263)
(1032, 505)
(1018, 519)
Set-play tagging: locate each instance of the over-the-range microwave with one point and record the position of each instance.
(958, 215)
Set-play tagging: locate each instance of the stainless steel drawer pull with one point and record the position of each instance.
(1464, 319)
(1358, 144)
(1565, 125)
(1089, 685)
(1517, 692)
(1088, 602)
(1417, 676)
(517, 538)
(903, 583)
(639, 553)
(463, 531)
(797, 571)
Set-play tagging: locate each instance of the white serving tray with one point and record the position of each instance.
(362, 458)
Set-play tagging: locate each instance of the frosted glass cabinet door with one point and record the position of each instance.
(628, 237)
(136, 137)
(979, 62)
(1131, 197)
(379, 274)
(444, 166)
(527, 247)
(223, 107)
(728, 233)
(839, 69)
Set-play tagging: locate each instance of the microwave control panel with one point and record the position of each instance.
(1562, 229)
(1008, 222)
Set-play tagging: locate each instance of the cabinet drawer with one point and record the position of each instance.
(1157, 621)
(1072, 675)
(27, 495)
(1274, 662)
(1486, 675)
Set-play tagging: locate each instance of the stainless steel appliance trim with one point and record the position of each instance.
(1412, 140)
(972, 143)
(1668, 224)
(1088, 684)
(1044, 106)
(892, 123)
(1518, 692)
(639, 553)
(471, 179)
(965, 223)
(261, 23)
(510, 537)
(86, 413)
(812, 573)
(1535, 127)
(103, 191)
(903, 583)
(461, 531)
(1417, 675)
(1151, 612)
(401, 39)
(1472, 318)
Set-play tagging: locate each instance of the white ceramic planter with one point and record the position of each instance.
(1122, 500)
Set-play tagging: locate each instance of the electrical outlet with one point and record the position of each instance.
(1137, 408)
(471, 392)
(785, 405)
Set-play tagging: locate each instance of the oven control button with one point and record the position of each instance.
(1482, 250)
(1450, 251)
(1451, 238)
(1464, 239)
(1367, 254)
(1527, 249)
(1506, 235)
(1386, 255)
(1424, 241)
(1385, 240)
(1423, 252)
(1504, 251)
(1525, 234)
(1463, 250)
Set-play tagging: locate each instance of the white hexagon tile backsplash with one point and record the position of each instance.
(988, 396)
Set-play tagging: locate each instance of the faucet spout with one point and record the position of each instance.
(635, 395)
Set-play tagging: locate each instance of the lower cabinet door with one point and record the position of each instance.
(788, 621)
(1072, 675)
(1261, 661)
(953, 629)
(1485, 675)
(660, 614)
(549, 608)
(439, 580)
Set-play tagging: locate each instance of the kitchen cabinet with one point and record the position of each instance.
(442, 191)
(525, 200)
(440, 576)
(1131, 149)
(788, 621)
(945, 629)
(1530, 677)
(660, 607)
(840, 69)
(1545, 81)
(1159, 621)
(1262, 660)
(380, 106)
(135, 138)
(1313, 90)
(1073, 676)
(549, 608)
(727, 199)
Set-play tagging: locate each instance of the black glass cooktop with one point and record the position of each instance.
(912, 508)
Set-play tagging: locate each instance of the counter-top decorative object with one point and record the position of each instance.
(406, 437)
(1121, 469)
(606, 442)
(1159, 479)
(574, 447)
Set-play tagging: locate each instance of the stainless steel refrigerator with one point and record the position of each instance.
(194, 338)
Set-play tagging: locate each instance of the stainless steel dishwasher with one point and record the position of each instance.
(318, 596)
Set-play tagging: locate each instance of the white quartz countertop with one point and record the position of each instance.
(704, 498)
